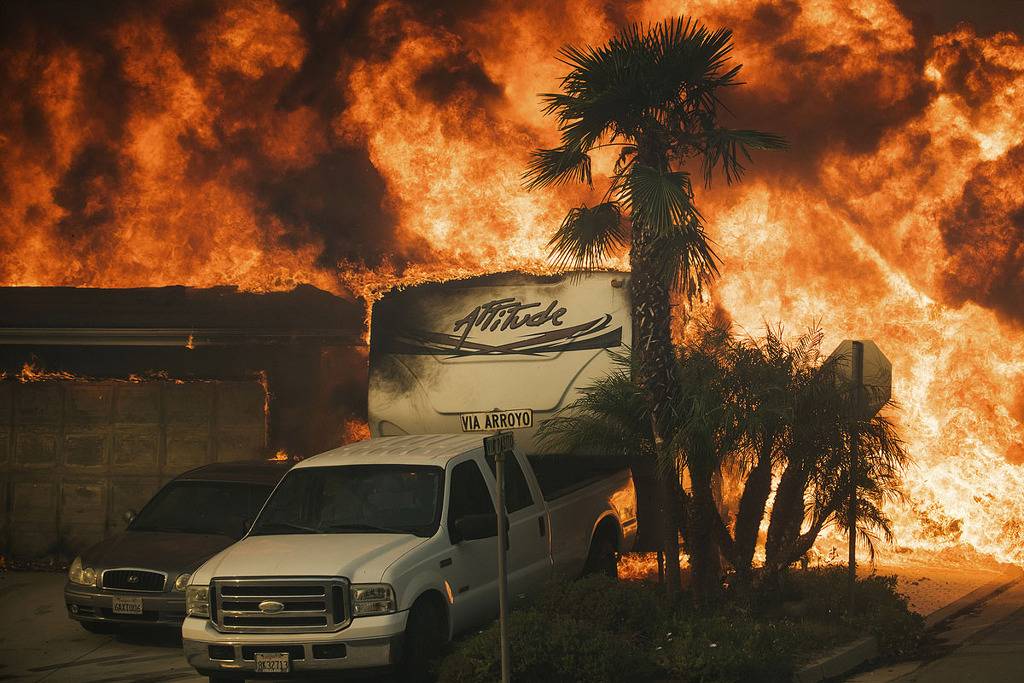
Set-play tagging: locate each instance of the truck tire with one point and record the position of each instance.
(602, 558)
(424, 638)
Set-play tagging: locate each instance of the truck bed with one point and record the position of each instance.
(560, 475)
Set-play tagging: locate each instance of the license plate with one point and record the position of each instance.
(272, 663)
(127, 605)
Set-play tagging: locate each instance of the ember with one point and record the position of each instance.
(359, 148)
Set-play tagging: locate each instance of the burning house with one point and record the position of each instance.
(109, 393)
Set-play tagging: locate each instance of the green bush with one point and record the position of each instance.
(597, 629)
(547, 648)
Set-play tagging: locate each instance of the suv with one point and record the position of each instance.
(139, 575)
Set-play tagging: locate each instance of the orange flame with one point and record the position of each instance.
(895, 216)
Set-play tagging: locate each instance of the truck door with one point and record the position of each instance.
(529, 561)
(472, 572)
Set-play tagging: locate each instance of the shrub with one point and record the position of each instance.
(632, 608)
(548, 648)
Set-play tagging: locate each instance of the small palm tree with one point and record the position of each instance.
(655, 94)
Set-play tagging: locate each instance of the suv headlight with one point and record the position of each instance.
(81, 575)
(197, 601)
(181, 581)
(372, 598)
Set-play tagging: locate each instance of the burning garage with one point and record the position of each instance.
(109, 393)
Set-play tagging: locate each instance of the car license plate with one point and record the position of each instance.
(272, 663)
(127, 605)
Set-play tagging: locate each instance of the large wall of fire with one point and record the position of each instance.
(354, 145)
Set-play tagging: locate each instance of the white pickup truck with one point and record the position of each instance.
(376, 553)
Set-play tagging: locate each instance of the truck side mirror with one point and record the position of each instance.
(129, 516)
(475, 527)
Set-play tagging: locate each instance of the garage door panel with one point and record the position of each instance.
(137, 403)
(89, 403)
(187, 449)
(136, 448)
(36, 447)
(86, 449)
(33, 517)
(189, 404)
(83, 513)
(38, 403)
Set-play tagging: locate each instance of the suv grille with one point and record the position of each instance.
(134, 580)
(295, 605)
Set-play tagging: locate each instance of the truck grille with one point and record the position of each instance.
(134, 580)
(288, 605)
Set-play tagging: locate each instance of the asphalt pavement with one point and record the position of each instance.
(983, 645)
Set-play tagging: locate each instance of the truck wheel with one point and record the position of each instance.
(602, 558)
(423, 641)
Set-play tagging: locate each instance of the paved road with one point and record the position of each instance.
(39, 643)
(986, 645)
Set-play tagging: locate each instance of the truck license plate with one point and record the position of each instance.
(124, 605)
(272, 663)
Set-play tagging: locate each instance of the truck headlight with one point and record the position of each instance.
(181, 581)
(197, 601)
(373, 598)
(81, 575)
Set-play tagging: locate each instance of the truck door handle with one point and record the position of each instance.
(542, 525)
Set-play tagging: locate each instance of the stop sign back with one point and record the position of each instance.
(877, 372)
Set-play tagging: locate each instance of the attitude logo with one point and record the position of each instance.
(472, 334)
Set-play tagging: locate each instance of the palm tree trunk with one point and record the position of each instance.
(787, 513)
(705, 564)
(750, 513)
(655, 375)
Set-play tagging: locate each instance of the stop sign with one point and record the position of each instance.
(877, 372)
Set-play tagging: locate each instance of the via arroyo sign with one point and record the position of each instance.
(496, 419)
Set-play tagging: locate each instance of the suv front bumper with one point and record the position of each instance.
(368, 643)
(96, 605)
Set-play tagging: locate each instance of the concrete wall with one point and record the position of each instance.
(75, 455)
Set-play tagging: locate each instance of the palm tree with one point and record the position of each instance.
(654, 93)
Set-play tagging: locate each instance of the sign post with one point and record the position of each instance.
(868, 374)
(499, 446)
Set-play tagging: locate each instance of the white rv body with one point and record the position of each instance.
(503, 351)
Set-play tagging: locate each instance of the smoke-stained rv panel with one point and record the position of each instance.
(499, 351)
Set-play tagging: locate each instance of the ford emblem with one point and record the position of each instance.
(271, 607)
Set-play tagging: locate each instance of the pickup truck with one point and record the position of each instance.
(376, 553)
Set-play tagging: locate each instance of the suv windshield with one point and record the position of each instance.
(383, 499)
(202, 507)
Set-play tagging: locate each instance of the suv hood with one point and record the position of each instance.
(362, 558)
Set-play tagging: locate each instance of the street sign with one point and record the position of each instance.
(498, 444)
(877, 373)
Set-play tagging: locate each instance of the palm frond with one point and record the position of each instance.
(587, 236)
(686, 258)
(558, 165)
(728, 149)
(658, 200)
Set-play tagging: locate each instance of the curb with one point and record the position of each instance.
(848, 657)
(976, 596)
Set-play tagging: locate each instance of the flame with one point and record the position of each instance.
(280, 456)
(360, 148)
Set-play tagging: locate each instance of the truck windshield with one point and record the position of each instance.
(202, 507)
(378, 499)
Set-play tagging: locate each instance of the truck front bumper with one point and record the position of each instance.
(367, 643)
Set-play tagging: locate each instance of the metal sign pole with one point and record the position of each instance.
(499, 473)
(857, 366)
